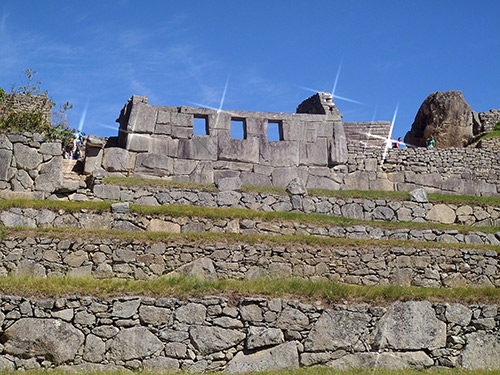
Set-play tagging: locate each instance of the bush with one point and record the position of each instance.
(497, 126)
(35, 120)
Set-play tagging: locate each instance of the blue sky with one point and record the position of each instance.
(100, 53)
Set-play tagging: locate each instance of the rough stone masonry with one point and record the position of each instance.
(254, 334)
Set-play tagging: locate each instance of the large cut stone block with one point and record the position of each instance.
(314, 153)
(5, 160)
(26, 157)
(338, 147)
(244, 150)
(116, 159)
(134, 343)
(93, 159)
(200, 147)
(51, 338)
(50, 176)
(213, 339)
(142, 119)
(138, 142)
(154, 164)
(279, 154)
(410, 325)
(396, 360)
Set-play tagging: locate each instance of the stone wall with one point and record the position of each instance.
(430, 266)
(367, 134)
(469, 171)
(489, 119)
(353, 208)
(159, 141)
(27, 103)
(210, 334)
(28, 163)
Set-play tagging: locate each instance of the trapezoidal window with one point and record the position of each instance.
(275, 131)
(238, 128)
(200, 125)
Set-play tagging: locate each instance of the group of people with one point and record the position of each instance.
(75, 150)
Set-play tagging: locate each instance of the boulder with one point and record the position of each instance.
(411, 325)
(419, 196)
(284, 356)
(441, 213)
(336, 330)
(53, 339)
(482, 351)
(296, 187)
(134, 343)
(208, 340)
(446, 117)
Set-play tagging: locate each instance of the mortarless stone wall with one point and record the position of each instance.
(211, 334)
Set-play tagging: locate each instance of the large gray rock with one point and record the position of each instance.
(458, 314)
(5, 160)
(296, 187)
(26, 157)
(154, 164)
(419, 196)
(411, 325)
(336, 329)
(154, 315)
(134, 343)
(352, 211)
(259, 337)
(293, 319)
(446, 117)
(50, 338)
(116, 159)
(284, 356)
(202, 268)
(50, 176)
(192, 313)
(441, 213)
(398, 361)
(13, 219)
(213, 339)
(228, 184)
(482, 351)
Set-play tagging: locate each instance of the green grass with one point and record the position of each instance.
(316, 370)
(181, 287)
(493, 134)
(232, 238)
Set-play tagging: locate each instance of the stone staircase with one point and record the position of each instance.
(73, 177)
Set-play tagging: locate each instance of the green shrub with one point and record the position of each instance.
(497, 126)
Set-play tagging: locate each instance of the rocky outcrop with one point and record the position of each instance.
(444, 116)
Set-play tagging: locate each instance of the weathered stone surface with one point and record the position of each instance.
(26, 157)
(293, 319)
(5, 160)
(482, 351)
(296, 187)
(154, 164)
(419, 196)
(94, 349)
(446, 117)
(202, 268)
(352, 211)
(228, 184)
(12, 219)
(51, 338)
(50, 177)
(410, 326)
(213, 339)
(284, 356)
(160, 364)
(441, 213)
(134, 343)
(157, 225)
(120, 208)
(154, 315)
(336, 329)
(116, 159)
(403, 360)
(51, 148)
(108, 192)
(259, 337)
(193, 313)
(125, 309)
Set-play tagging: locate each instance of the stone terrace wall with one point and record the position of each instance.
(209, 334)
(371, 134)
(469, 171)
(433, 266)
(27, 103)
(353, 208)
(120, 219)
(489, 119)
(28, 163)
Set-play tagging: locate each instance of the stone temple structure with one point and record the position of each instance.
(161, 141)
